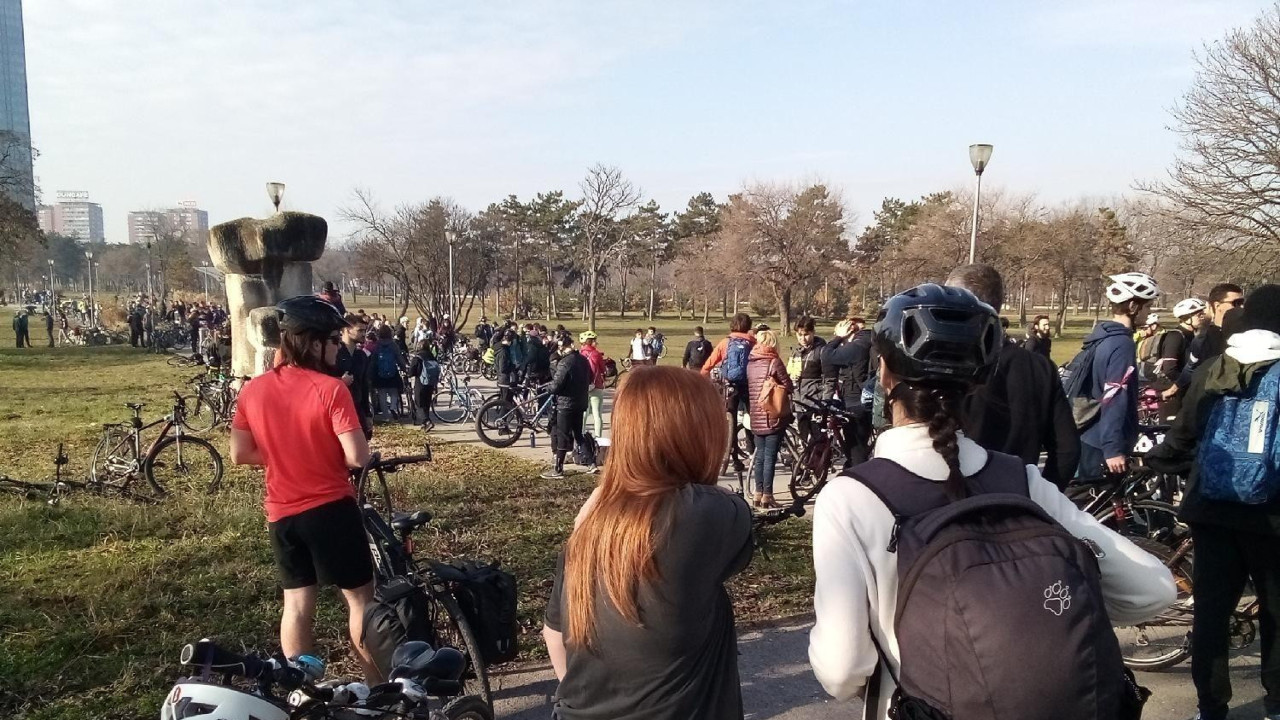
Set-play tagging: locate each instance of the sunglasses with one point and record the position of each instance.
(1237, 303)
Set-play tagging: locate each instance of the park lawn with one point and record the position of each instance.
(98, 594)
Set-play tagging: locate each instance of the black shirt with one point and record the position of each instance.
(683, 663)
(1040, 345)
(696, 353)
(356, 363)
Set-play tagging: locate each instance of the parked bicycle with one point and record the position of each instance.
(456, 401)
(173, 462)
(390, 536)
(212, 403)
(501, 421)
(51, 492)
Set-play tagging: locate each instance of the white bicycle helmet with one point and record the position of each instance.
(1152, 319)
(1190, 306)
(195, 700)
(1132, 286)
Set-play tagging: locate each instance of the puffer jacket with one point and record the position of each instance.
(764, 363)
(811, 387)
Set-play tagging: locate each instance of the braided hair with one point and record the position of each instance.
(939, 408)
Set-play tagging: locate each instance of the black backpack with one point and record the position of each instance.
(400, 612)
(1000, 611)
(586, 452)
(487, 596)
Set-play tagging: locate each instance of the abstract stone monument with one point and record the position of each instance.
(264, 261)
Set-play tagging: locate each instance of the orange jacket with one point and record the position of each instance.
(717, 355)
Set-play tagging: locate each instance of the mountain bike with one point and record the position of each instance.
(457, 401)
(391, 542)
(501, 421)
(174, 461)
(212, 404)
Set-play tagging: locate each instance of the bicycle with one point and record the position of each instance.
(173, 461)
(212, 405)
(391, 543)
(179, 360)
(1165, 641)
(420, 674)
(501, 421)
(459, 402)
(52, 492)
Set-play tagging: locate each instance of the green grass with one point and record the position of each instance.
(98, 595)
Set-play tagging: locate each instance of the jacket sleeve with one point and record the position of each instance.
(717, 357)
(561, 378)
(1178, 451)
(1062, 439)
(1109, 377)
(840, 352)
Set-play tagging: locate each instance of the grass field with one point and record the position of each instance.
(98, 595)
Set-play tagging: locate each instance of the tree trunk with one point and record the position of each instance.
(593, 279)
(724, 304)
(550, 293)
(515, 301)
(653, 286)
(784, 311)
(1022, 300)
(622, 296)
(1062, 307)
(735, 298)
(706, 307)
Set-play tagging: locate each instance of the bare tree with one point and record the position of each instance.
(606, 194)
(383, 242)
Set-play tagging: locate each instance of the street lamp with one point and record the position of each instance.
(451, 237)
(50, 278)
(205, 276)
(150, 291)
(275, 191)
(979, 155)
(93, 316)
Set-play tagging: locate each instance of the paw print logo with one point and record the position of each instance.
(1057, 598)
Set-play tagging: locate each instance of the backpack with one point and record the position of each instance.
(1239, 457)
(587, 451)
(977, 578)
(429, 375)
(400, 612)
(487, 596)
(736, 355)
(1075, 377)
(385, 358)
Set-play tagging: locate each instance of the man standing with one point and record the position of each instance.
(20, 328)
(639, 349)
(48, 326)
(1040, 341)
(333, 296)
(1148, 339)
(1021, 409)
(135, 325)
(352, 367)
(846, 367)
(571, 387)
(697, 351)
(653, 345)
(1210, 341)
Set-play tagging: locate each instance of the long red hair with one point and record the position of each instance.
(669, 430)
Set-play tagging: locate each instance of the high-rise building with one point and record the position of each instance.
(73, 216)
(187, 220)
(16, 177)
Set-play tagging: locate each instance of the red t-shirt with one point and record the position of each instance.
(296, 416)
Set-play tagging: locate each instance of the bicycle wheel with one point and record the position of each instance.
(490, 371)
(184, 464)
(451, 629)
(499, 423)
(811, 470)
(114, 460)
(1150, 519)
(468, 707)
(199, 415)
(1165, 641)
(449, 407)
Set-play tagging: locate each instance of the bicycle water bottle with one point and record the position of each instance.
(310, 665)
(533, 439)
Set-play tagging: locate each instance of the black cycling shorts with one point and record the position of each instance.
(325, 545)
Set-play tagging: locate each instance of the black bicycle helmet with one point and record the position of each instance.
(302, 313)
(935, 335)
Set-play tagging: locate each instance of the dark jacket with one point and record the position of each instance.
(505, 365)
(810, 386)
(536, 363)
(375, 379)
(401, 335)
(572, 382)
(1209, 343)
(846, 365)
(1114, 380)
(356, 363)
(1177, 454)
(1022, 410)
(764, 363)
(1040, 345)
(696, 353)
(1174, 345)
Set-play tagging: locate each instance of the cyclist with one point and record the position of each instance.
(300, 422)
(1148, 340)
(330, 294)
(770, 431)
(806, 360)
(1210, 341)
(484, 332)
(1113, 377)
(733, 351)
(1175, 343)
(595, 398)
(1237, 539)
(639, 625)
(536, 363)
(697, 351)
(857, 580)
(845, 368)
(504, 365)
(1021, 409)
(571, 386)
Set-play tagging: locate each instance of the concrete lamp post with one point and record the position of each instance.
(979, 156)
(275, 191)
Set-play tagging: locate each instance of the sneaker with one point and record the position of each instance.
(553, 474)
(593, 469)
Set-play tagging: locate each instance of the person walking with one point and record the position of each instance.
(639, 625)
(424, 368)
(595, 397)
(300, 423)
(770, 415)
(1225, 441)
(571, 387)
(1040, 339)
(860, 641)
(697, 351)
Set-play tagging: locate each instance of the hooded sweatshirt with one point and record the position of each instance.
(1247, 354)
(1113, 381)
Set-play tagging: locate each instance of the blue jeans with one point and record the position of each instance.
(766, 459)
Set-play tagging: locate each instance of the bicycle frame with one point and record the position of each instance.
(137, 428)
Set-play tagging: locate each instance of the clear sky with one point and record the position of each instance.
(147, 102)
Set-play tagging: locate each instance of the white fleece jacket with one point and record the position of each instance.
(857, 578)
(1254, 346)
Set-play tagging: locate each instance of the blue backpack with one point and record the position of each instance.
(430, 373)
(388, 368)
(735, 360)
(1239, 457)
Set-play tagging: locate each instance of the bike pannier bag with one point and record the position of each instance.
(400, 612)
(487, 596)
(1239, 455)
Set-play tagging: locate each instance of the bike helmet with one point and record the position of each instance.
(195, 700)
(935, 335)
(1132, 286)
(307, 312)
(1187, 307)
(1152, 319)
(587, 335)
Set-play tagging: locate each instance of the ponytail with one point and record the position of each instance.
(938, 407)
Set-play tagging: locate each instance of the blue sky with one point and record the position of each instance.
(147, 102)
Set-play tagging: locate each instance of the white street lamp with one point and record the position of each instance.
(93, 316)
(205, 276)
(979, 156)
(50, 278)
(275, 191)
(451, 237)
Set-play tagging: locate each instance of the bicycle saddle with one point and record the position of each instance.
(135, 406)
(408, 522)
(419, 662)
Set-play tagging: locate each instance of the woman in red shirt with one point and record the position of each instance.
(300, 422)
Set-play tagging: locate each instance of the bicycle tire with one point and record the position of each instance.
(1150, 519)
(184, 464)
(810, 472)
(198, 416)
(449, 407)
(496, 416)
(490, 371)
(468, 707)
(457, 633)
(107, 454)
(1174, 623)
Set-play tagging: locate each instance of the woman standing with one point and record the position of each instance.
(765, 367)
(639, 625)
(424, 368)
